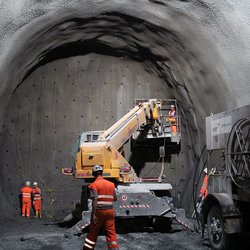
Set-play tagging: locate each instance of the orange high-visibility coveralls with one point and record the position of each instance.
(203, 190)
(26, 201)
(37, 199)
(172, 120)
(105, 192)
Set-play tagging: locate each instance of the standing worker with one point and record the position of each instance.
(155, 119)
(26, 192)
(172, 119)
(204, 190)
(155, 114)
(102, 193)
(37, 200)
(203, 194)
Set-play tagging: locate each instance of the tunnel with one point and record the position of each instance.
(72, 66)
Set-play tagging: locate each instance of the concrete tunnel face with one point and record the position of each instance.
(72, 67)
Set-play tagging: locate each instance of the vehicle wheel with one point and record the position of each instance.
(218, 238)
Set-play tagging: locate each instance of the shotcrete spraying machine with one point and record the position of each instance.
(148, 127)
(226, 209)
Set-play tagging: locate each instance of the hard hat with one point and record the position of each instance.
(172, 106)
(27, 183)
(205, 170)
(96, 168)
(35, 183)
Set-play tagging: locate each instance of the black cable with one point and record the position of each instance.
(164, 143)
(152, 167)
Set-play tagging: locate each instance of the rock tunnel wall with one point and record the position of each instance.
(194, 51)
(53, 106)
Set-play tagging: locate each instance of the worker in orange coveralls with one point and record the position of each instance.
(204, 187)
(172, 119)
(26, 192)
(102, 193)
(203, 194)
(37, 200)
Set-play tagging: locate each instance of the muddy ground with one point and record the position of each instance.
(34, 234)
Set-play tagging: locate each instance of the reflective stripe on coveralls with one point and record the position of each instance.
(89, 243)
(26, 195)
(105, 203)
(112, 245)
(104, 191)
(105, 200)
(106, 196)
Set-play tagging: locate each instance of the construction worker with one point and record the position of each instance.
(203, 194)
(155, 114)
(172, 119)
(102, 194)
(26, 192)
(203, 190)
(37, 200)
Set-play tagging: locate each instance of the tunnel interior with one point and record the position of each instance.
(74, 71)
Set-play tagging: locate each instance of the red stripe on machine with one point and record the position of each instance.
(134, 206)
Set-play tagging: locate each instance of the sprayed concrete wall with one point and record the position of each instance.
(70, 66)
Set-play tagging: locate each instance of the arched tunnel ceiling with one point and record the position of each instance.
(197, 49)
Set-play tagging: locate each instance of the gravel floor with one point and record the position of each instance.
(46, 234)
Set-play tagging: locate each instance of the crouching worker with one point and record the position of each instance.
(102, 193)
(37, 200)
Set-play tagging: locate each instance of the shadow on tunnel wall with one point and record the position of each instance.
(140, 156)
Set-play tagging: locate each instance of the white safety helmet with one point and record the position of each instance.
(205, 170)
(27, 183)
(172, 106)
(35, 183)
(96, 168)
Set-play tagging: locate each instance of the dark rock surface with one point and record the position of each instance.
(23, 234)
(194, 51)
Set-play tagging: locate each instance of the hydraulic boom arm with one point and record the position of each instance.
(106, 150)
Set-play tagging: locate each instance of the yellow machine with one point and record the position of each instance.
(105, 148)
(148, 127)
